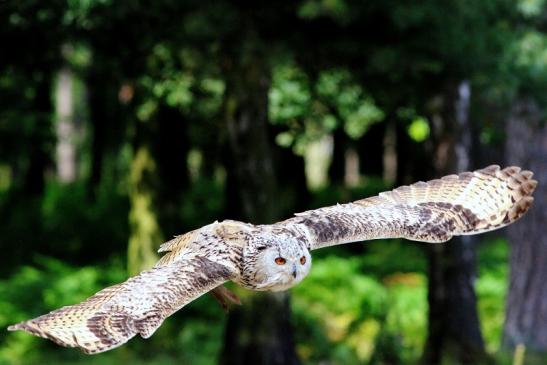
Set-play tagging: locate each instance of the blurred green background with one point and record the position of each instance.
(123, 123)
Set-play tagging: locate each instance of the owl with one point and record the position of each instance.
(277, 256)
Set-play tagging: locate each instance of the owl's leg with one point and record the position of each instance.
(224, 296)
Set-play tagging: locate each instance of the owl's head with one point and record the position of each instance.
(280, 261)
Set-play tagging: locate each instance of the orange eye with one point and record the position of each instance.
(303, 260)
(280, 261)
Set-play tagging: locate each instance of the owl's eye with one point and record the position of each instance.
(280, 261)
(303, 260)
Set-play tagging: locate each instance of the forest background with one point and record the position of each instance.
(123, 123)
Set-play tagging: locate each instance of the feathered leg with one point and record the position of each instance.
(225, 296)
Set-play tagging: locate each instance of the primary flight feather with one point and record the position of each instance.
(277, 257)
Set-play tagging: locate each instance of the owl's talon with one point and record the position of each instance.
(225, 296)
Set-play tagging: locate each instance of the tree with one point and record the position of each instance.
(260, 332)
(526, 311)
(143, 190)
(453, 323)
(66, 127)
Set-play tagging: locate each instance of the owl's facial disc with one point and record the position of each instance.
(281, 266)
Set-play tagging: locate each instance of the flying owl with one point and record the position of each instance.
(277, 256)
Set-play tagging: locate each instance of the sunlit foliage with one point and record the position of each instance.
(311, 109)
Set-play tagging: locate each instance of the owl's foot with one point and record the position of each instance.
(224, 296)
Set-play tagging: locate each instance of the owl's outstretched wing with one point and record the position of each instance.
(139, 305)
(434, 211)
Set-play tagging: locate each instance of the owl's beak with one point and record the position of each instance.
(294, 271)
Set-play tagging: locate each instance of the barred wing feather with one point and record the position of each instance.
(434, 211)
(139, 305)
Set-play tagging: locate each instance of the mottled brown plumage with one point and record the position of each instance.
(276, 257)
(468, 203)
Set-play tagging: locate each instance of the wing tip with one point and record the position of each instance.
(25, 326)
(520, 186)
(14, 327)
(518, 210)
(87, 347)
(35, 330)
(519, 181)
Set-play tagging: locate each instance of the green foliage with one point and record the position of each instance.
(531, 8)
(530, 58)
(349, 317)
(332, 194)
(310, 109)
(182, 79)
(57, 224)
(35, 290)
(337, 9)
(418, 129)
(50, 284)
(347, 101)
(207, 194)
(336, 320)
(491, 288)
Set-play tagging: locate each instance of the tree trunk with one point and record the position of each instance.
(411, 158)
(34, 182)
(108, 118)
(389, 154)
(526, 312)
(338, 163)
(99, 122)
(371, 150)
(65, 127)
(453, 323)
(260, 331)
(158, 177)
(171, 152)
(145, 232)
(292, 186)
